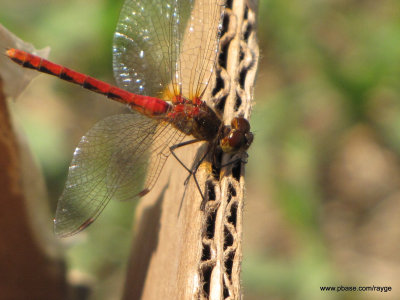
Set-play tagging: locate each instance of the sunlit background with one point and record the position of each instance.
(323, 178)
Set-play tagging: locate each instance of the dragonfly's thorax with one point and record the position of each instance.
(196, 119)
(199, 120)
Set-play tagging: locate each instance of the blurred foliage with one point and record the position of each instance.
(324, 162)
(55, 115)
(323, 175)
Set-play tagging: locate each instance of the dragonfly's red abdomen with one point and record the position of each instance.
(150, 106)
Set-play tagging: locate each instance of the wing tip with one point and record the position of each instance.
(144, 192)
(61, 232)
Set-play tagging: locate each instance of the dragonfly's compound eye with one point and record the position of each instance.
(239, 138)
(241, 124)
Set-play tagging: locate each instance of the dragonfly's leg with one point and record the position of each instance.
(193, 172)
(172, 148)
(197, 184)
(194, 169)
(243, 161)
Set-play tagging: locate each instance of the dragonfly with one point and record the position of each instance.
(164, 53)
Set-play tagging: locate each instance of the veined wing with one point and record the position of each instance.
(111, 161)
(166, 47)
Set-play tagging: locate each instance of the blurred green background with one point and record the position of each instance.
(323, 178)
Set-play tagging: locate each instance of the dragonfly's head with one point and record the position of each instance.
(237, 137)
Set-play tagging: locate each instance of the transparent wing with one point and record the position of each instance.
(165, 48)
(111, 162)
(197, 58)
